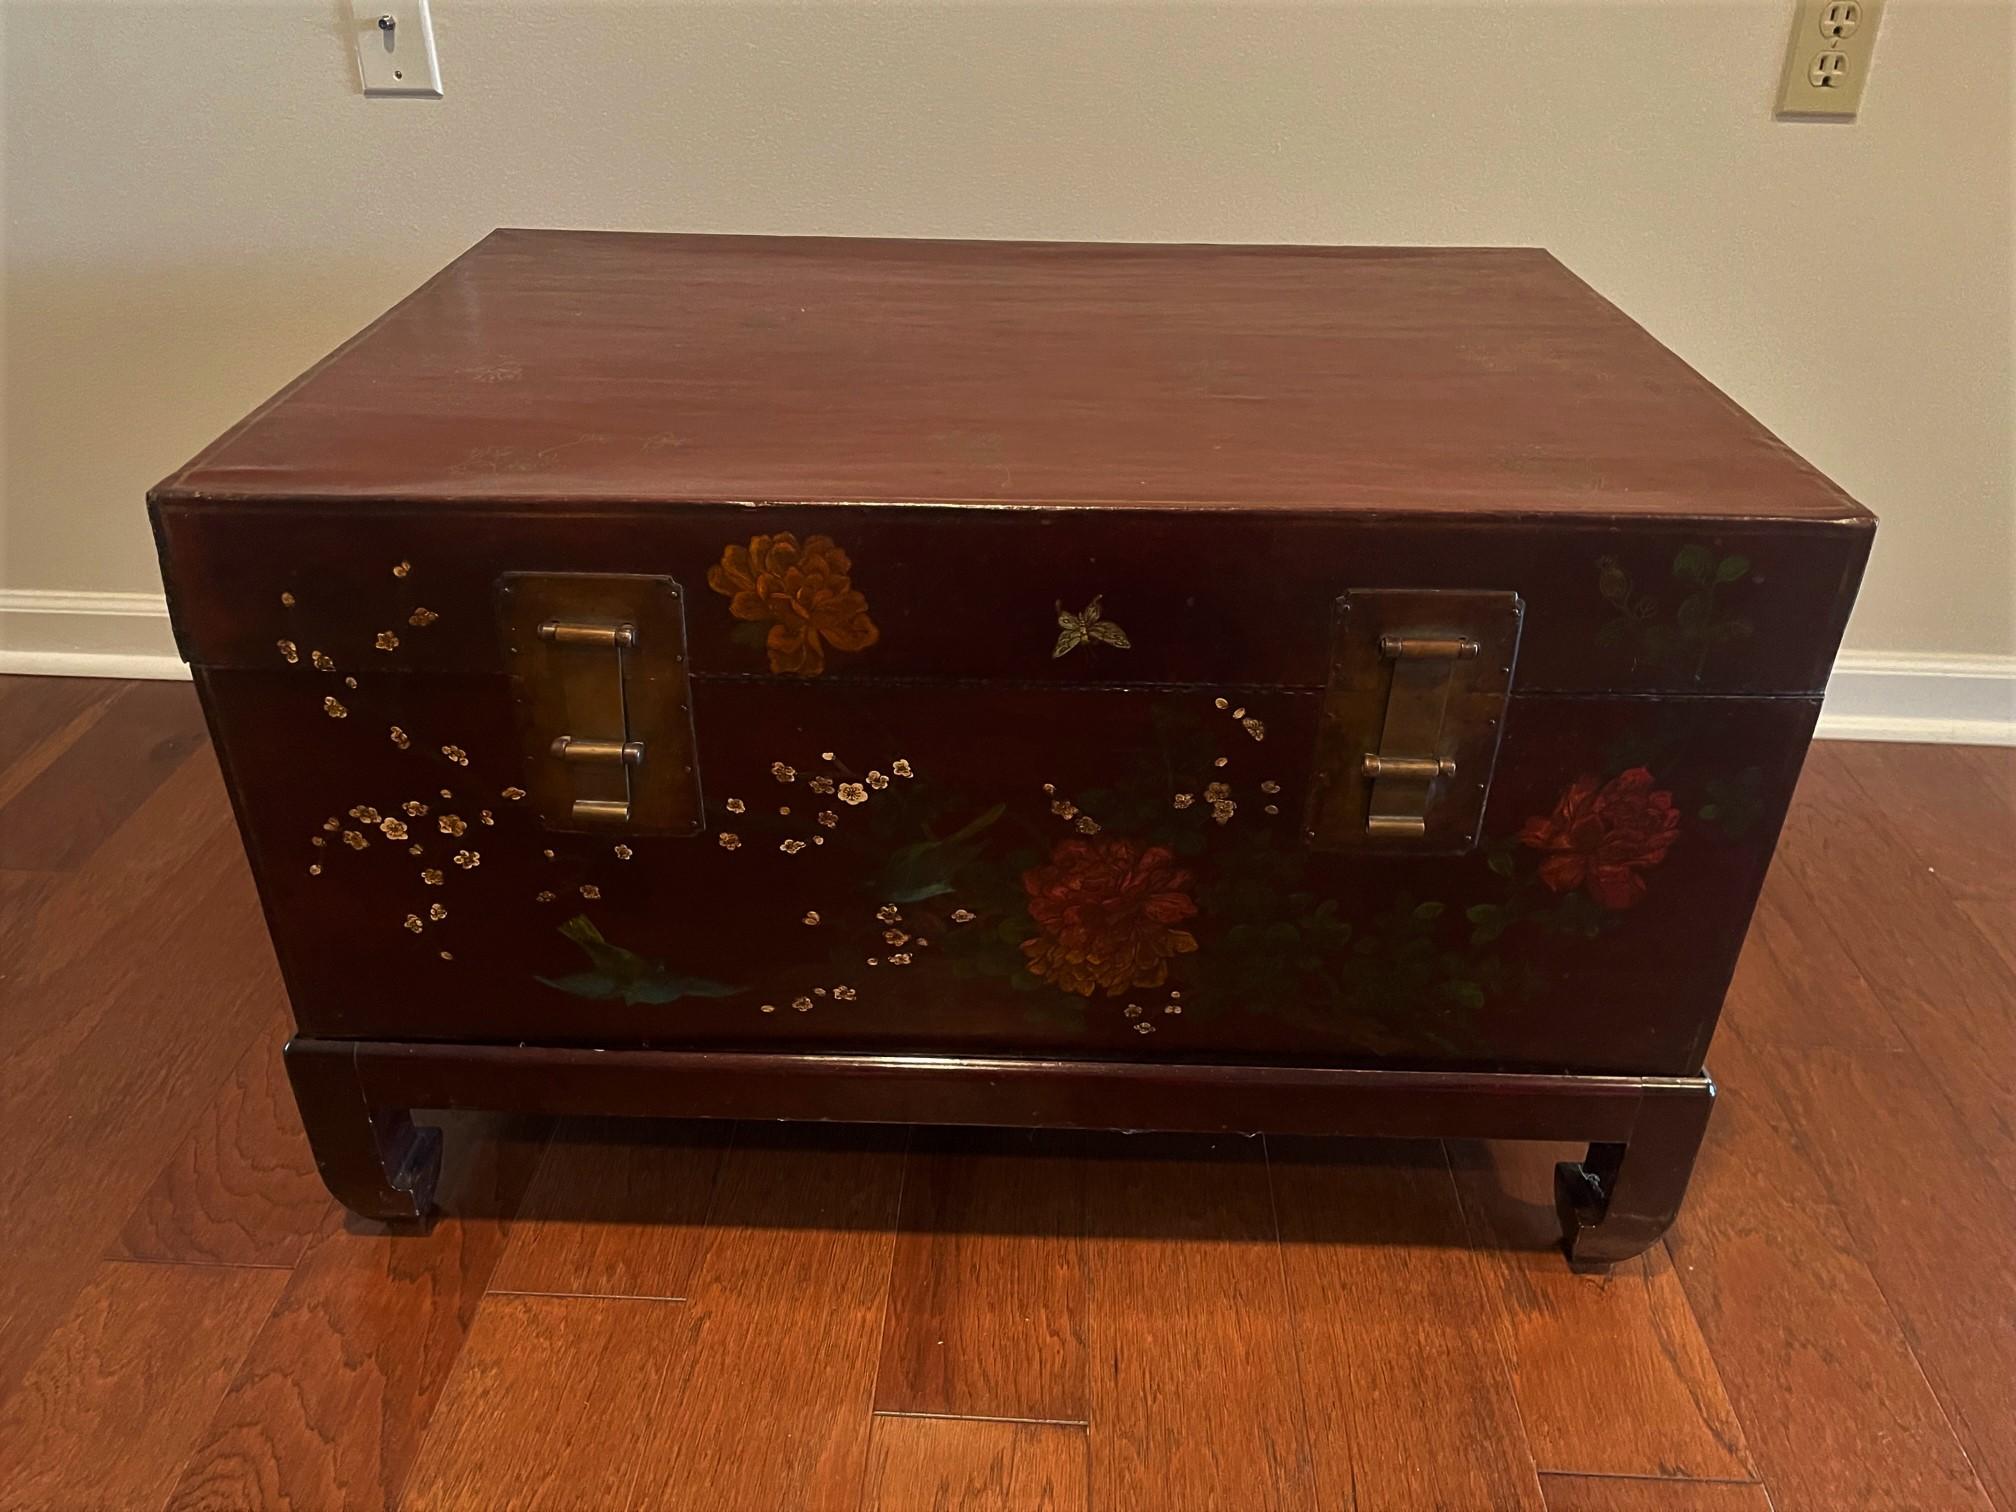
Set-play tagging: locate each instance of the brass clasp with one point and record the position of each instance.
(1406, 767)
(1411, 718)
(605, 719)
(601, 797)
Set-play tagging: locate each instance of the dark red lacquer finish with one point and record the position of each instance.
(1008, 575)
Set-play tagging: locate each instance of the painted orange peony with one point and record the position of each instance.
(803, 592)
(1108, 910)
(1601, 837)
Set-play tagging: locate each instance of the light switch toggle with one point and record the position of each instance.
(395, 48)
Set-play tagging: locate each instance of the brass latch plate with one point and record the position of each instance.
(605, 714)
(1412, 714)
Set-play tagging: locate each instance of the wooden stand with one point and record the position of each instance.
(1619, 1198)
(356, 1098)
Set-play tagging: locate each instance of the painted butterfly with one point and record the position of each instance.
(1077, 630)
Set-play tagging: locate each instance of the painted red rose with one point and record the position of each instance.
(1602, 838)
(1108, 910)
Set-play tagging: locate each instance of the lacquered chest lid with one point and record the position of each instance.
(549, 367)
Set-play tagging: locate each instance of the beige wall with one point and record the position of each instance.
(198, 202)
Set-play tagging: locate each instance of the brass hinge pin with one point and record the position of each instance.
(1419, 768)
(1391, 827)
(612, 752)
(1427, 647)
(576, 633)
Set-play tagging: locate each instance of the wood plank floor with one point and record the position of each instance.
(785, 1319)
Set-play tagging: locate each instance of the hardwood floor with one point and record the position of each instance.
(784, 1319)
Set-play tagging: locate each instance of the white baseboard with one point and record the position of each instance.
(57, 634)
(1946, 700)
(1873, 695)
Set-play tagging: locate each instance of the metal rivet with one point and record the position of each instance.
(387, 23)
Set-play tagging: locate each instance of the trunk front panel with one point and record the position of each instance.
(1077, 872)
(937, 804)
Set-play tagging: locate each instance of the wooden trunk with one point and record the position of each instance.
(1217, 688)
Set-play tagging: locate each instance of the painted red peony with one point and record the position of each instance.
(1108, 910)
(804, 593)
(1602, 837)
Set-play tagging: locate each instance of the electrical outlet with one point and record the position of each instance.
(395, 47)
(1828, 61)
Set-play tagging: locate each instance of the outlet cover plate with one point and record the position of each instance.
(397, 59)
(1827, 62)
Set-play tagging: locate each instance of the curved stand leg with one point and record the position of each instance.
(375, 1160)
(1619, 1199)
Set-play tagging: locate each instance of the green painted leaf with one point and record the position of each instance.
(585, 984)
(1501, 862)
(976, 824)
(1467, 994)
(1732, 568)
(1612, 581)
(667, 989)
(1695, 564)
(1426, 911)
(916, 892)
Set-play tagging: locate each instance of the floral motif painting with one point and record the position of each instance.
(1168, 884)
(1181, 892)
(1107, 911)
(801, 598)
(1603, 836)
(1162, 885)
(613, 972)
(1700, 622)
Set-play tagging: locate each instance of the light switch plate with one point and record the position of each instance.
(1828, 60)
(395, 47)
